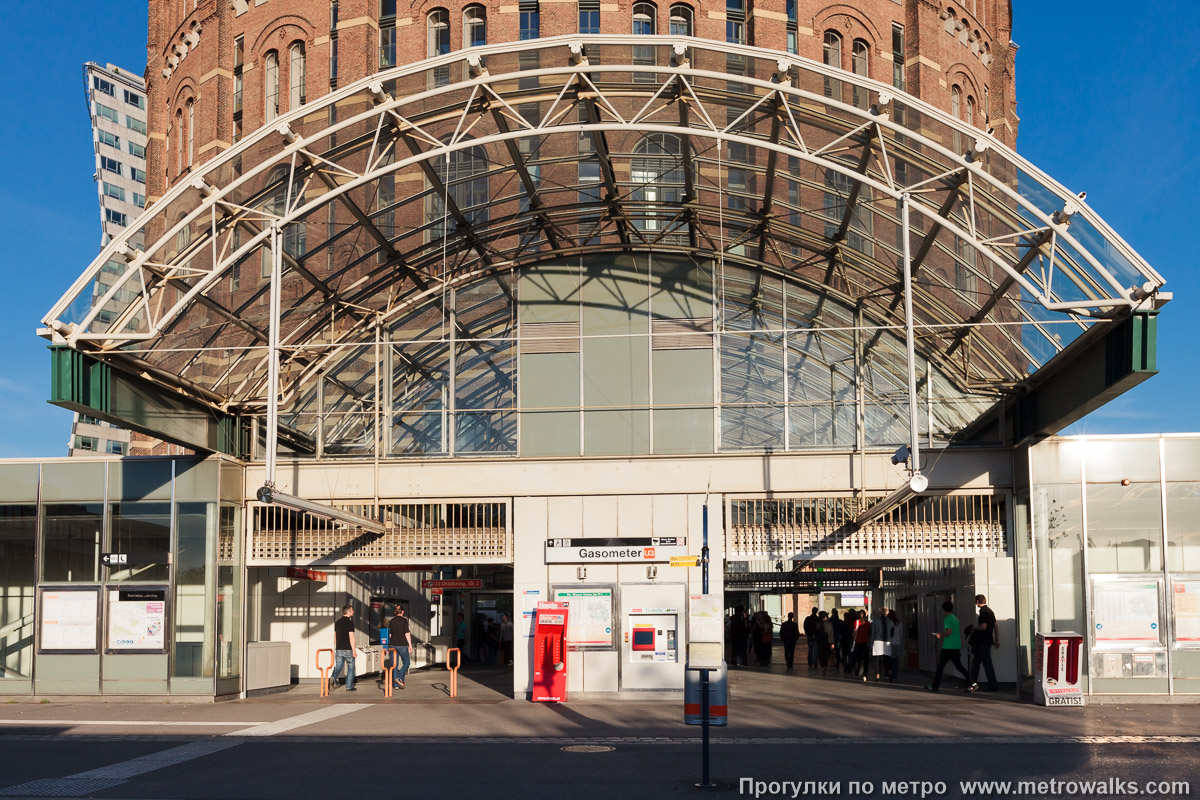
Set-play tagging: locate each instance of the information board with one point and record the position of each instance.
(1185, 597)
(137, 619)
(69, 619)
(1125, 613)
(590, 623)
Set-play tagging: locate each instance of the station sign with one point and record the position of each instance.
(452, 583)
(615, 551)
(305, 574)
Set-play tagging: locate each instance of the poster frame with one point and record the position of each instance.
(1105, 580)
(1183, 577)
(41, 621)
(612, 613)
(167, 622)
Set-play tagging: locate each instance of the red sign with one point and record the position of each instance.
(303, 574)
(436, 592)
(453, 583)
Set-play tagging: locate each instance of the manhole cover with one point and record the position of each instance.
(588, 748)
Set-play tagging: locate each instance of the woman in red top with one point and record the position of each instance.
(862, 644)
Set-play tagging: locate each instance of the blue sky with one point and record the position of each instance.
(1104, 93)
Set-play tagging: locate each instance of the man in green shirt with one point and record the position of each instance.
(951, 638)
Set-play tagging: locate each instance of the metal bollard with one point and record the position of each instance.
(325, 671)
(454, 669)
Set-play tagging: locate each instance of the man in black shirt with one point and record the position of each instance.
(345, 649)
(400, 637)
(983, 639)
(789, 634)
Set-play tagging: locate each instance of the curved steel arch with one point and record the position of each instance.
(152, 272)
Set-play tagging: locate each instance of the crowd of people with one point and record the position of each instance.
(859, 645)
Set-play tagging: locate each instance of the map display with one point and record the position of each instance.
(591, 619)
(137, 620)
(1126, 613)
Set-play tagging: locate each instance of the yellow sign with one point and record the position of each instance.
(685, 561)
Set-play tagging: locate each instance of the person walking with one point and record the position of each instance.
(823, 639)
(763, 632)
(881, 642)
(951, 653)
(836, 625)
(460, 636)
(345, 649)
(984, 638)
(845, 642)
(789, 634)
(400, 637)
(810, 630)
(738, 633)
(897, 646)
(506, 639)
(862, 645)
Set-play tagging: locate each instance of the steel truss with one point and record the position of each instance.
(1044, 264)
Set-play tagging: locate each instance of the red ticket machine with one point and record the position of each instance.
(550, 653)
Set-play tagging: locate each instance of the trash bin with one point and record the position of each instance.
(718, 697)
(1057, 669)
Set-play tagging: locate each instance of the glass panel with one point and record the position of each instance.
(1058, 532)
(18, 529)
(143, 531)
(1057, 461)
(71, 537)
(229, 600)
(1122, 459)
(1183, 527)
(194, 601)
(1124, 527)
(1181, 459)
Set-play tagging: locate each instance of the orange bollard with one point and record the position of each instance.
(387, 671)
(454, 669)
(324, 671)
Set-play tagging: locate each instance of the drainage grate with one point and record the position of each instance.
(587, 748)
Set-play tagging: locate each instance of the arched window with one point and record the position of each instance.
(956, 101)
(183, 239)
(466, 183)
(179, 142)
(297, 76)
(474, 26)
(276, 205)
(437, 25)
(858, 62)
(831, 54)
(970, 110)
(657, 172)
(793, 31)
(681, 20)
(437, 30)
(271, 85)
(191, 131)
(645, 17)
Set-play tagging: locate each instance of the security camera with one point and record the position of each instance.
(901, 455)
(264, 494)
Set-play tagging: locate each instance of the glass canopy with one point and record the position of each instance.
(423, 212)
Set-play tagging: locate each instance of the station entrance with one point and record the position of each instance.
(796, 555)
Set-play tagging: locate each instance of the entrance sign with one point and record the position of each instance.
(1125, 613)
(69, 619)
(1185, 596)
(591, 618)
(137, 619)
(615, 551)
(452, 583)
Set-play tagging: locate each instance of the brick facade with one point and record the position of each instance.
(948, 45)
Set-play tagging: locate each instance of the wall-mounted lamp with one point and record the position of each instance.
(651, 572)
(581, 573)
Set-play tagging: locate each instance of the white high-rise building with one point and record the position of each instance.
(116, 101)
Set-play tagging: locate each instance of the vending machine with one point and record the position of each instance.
(1058, 676)
(550, 653)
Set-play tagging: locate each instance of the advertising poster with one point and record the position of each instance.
(1126, 613)
(69, 620)
(137, 619)
(531, 597)
(1186, 599)
(590, 622)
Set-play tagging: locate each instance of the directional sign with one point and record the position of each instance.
(114, 559)
(685, 561)
(453, 583)
(128, 559)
